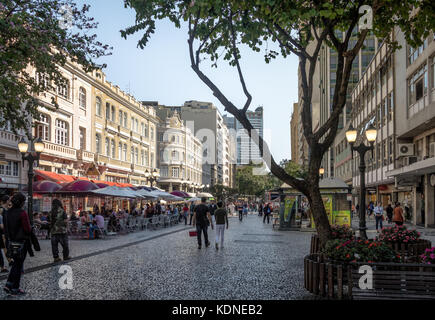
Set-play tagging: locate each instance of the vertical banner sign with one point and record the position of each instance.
(289, 203)
(327, 202)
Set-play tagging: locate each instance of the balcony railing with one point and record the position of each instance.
(85, 156)
(60, 151)
(9, 139)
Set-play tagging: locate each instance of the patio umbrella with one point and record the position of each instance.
(194, 199)
(116, 192)
(204, 195)
(180, 194)
(146, 194)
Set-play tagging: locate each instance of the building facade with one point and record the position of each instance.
(247, 149)
(97, 132)
(180, 156)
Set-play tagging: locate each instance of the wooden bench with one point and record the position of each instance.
(392, 282)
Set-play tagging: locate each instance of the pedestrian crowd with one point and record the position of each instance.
(391, 214)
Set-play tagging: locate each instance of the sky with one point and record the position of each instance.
(161, 72)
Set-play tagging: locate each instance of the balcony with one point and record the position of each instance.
(60, 151)
(8, 139)
(139, 169)
(85, 156)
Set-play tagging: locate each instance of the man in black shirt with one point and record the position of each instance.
(201, 218)
(212, 208)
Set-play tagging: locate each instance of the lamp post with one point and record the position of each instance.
(351, 136)
(321, 172)
(36, 148)
(152, 177)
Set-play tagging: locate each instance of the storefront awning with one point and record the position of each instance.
(53, 176)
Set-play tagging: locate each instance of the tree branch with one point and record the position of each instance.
(239, 69)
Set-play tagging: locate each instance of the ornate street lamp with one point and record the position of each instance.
(152, 177)
(321, 172)
(36, 148)
(351, 136)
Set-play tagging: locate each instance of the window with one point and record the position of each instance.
(10, 168)
(164, 171)
(132, 124)
(63, 90)
(120, 151)
(413, 53)
(433, 72)
(120, 113)
(136, 156)
(384, 150)
(42, 79)
(61, 132)
(152, 160)
(82, 98)
(107, 111)
(417, 85)
(142, 157)
(98, 106)
(113, 113)
(132, 155)
(175, 172)
(107, 147)
(82, 138)
(142, 126)
(146, 131)
(124, 156)
(125, 120)
(146, 158)
(113, 149)
(390, 102)
(98, 143)
(152, 133)
(174, 155)
(43, 127)
(390, 150)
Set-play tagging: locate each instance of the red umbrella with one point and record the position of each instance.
(181, 194)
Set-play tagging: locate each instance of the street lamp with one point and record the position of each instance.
(321, 172)
(36, 148)
(152, 177)
(351, 136)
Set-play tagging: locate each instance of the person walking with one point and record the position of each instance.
(260, 209)
(59, 231)
(379, 215)
(191, 211)
(201, 219)
(221, 217)
(398, 215)
(17, 232)
(240, 210)
(267, 211)
(3, 208)
(185, 213)
(389, 211)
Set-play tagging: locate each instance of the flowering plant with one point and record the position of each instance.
(398, 234)
(428, 256)
(352, 250)
(342, 232)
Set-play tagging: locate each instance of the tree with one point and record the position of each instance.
(42, 36)
(298, 27)
(251, 184)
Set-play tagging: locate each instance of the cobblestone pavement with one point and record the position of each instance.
(256, 263)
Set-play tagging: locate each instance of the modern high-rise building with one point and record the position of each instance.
(247, 149)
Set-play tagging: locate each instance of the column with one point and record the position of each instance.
(170, 187)
(429, 201)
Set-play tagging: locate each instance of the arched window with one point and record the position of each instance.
(82, 98)
(120, 117)
(107, 110)
(107, 147)
(98, 143)
(113, 149)
(120, 151)
(132, 155)
(124, 156)
(98, 106)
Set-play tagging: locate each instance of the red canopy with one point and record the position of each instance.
(181, 194)
(45, 186)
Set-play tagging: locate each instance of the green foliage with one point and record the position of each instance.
(348, 250)
(32, 36)
(222, 192)
(399, 234)
(249, 183)
(342, 232)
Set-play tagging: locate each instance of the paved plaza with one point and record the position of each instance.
(256, 263)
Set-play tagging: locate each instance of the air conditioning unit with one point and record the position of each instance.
(409, 160)
(406, 149)
(432, 149)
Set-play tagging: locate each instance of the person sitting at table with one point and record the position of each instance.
(83, 218)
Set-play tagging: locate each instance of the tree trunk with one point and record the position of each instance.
(319, 215)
